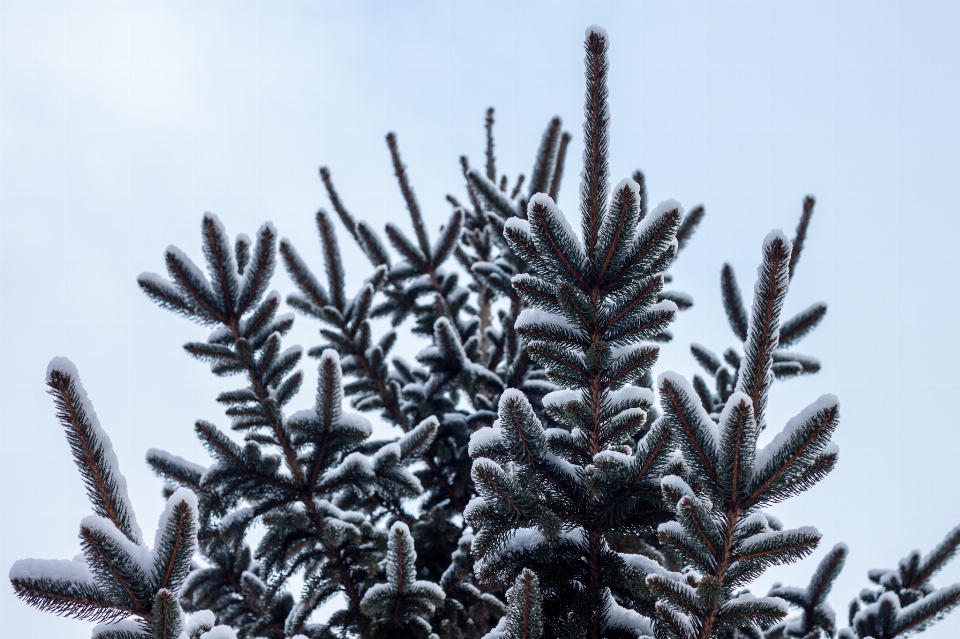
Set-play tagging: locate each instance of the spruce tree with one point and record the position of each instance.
(132, 589)
(549, 497)
(540, 482)
(786, 364)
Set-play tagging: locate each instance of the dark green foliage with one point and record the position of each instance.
(817, 619)
(307, 478)
(905, 601)
(402, 606)
(549, 498)
(94, 458)
(525, 617)
(120, 581)
(724, 480)
(529, 488)
(786, 364)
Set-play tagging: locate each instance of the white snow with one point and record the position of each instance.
(500, 631)
(753, 520)
(781, 355)
(576, 534)
(631, 184)
(515, 395)
(734, 400)
(307, 414)
(433, 589)
(632, 413)
(676, 485)
(659, 210)
(613, 455)
(187, 264)
(773, 236)
(630, 394)
(266, 226)
(356, 422)
(382, 456)
(600, 31)
(648, 566)
(524, 539)
(751, 542)
(472, 505)
(668, 306)
(351, 516)
(618, 616)
(131, 625)
(232, 517)
(138, 552)
(219, 333)
(155, 278)
(219, 632)
(518, 224)
(484, 437)
(536, 316)
(747, 597)
(354, 462)
(625, 349)
(288, 352)
(175, 459)
(66, 367)
(562, 397)
(547, 202)
(181, 495)
(767, 453)
(679, 295)
(51, 569)
(681, 382)
(329, 353)
(199, 619)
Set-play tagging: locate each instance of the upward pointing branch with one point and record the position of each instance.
(763, 336)
(408, 196)
(91, 448)
(593, 188)
(491, 162)
(808, 203)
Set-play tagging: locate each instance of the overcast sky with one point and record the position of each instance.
(122, 122)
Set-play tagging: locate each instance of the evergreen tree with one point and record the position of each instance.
(905, 601)
(119, 581)
(786, 364)
(817, 618)
(532, 489)
(547, 498)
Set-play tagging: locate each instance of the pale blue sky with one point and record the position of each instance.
(122, 122)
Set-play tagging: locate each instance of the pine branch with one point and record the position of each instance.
(408, 196)
(119, 576)
(91, 448)
(348, 221)
(690, 224)
(733, 304)
(491, 163)
(801, 235)
(541, 174)
(755, 375)
(555, 180)
(641, 181)
(593, 190)
(332, 261)
(802, 324)
(516, 187)
(471, 192)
